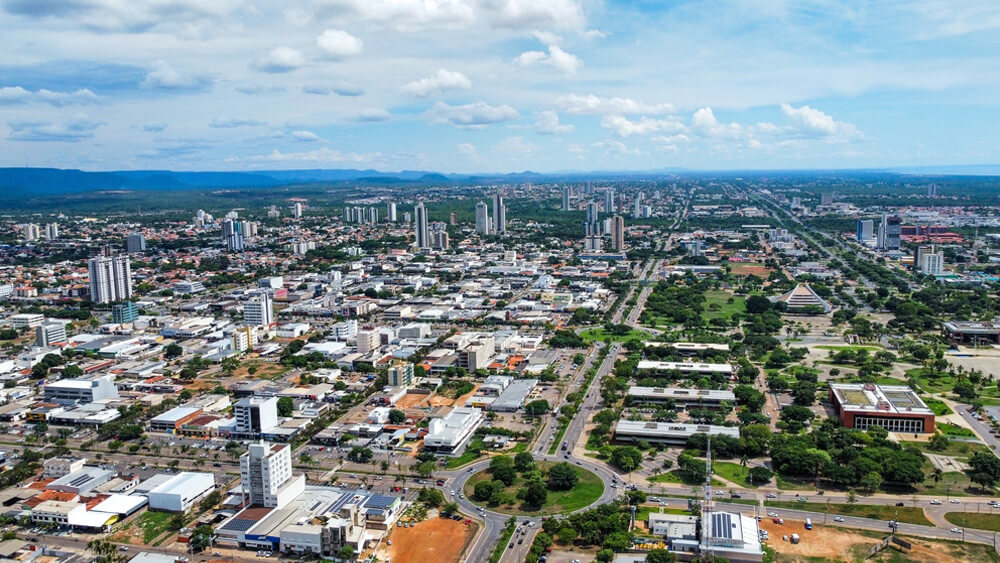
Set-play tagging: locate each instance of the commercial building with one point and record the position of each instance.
(681, 397)
(451, 432)
(685, 368)
(499, 215)
(401, 374)
(49, 334)
(889, 231)
(617, 233)
(124, 313)
(731, 536)
(135, 243)
(57, 467)
(172, 420)
(82, 481)
(928, 262)
(26, 320)
(266, 473)
(567, 193)
(972, 332)
(180, 491)
(255, 415)
(423, 239)
(80, 390)
(482, 219)
(897, 408)
(513, 397)
(866, 230)
(110, 277)
(672, 433)
(51, 231)
(259, 311)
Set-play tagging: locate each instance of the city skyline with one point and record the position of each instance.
(497, 86)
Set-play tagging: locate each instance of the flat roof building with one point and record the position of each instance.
(686, 368)
(178, 493)
(69, 391)
(451, 432)
(681, 397)
(731, 535)
(967, 332)
(667, 432)
(897, 408)
(82, 481)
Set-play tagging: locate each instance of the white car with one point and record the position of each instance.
(772, 495)
(955, 501)
(935, 501)
(772, 514)
(838, 518)
(956, 531)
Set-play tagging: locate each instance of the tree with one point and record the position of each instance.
(212, 499)
(536, 408)
(871, 482)
(397, 416)
(965, 390)
(431, 497)
(626, 458)
(505, 474)
(635, 497)
(757, 304)
(173, 350)
(804, 393)
(985, 469)
(562, 477)
(483, 491)
(201, 538)
(852, 497)
(938, 442)
(346, 553)
(759, 475)
(524, 461)
(566, 534)
(450, 508)
(660, 556)
(106, 551)
(360, 455)
(285, 406)
(535, 494)
(605, 555)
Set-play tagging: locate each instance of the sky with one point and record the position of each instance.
(498, 85)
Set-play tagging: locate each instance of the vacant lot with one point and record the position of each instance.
(440, 540)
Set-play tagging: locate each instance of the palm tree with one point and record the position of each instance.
(937, 475)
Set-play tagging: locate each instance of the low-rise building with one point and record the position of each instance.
(897, 408)
(631, 431)
(450, 433)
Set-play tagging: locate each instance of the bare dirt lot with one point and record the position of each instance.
(837, 544)
(439, 540)
(565, 556)
(411, 400)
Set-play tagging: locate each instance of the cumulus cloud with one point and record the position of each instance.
(704, 123)
(233, 122)
(515, 145)
(439, 82)
(373, 114)
(547, 123)
(564, 62)
(154, 127)
(530, 14)
(76, 128)
(403, 16)
(468, 149)
(643, 126)
(163, 76)
(591, 104)
(338, 88)
(337, 44)
(305, 136)
(614, 146)
(472, 116)
(280, 59)
(815, 123)
(132, 16)
(18, 95)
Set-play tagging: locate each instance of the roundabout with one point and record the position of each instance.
(585, 491)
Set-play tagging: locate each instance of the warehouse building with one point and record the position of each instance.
(180, 491)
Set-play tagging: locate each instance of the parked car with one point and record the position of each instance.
(838, 518)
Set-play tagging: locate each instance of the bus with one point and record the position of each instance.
(809, 524)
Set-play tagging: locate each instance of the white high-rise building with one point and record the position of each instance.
(482, 219)
(423, 238)
(367, 341)
(931, 263)
(110, 277)
(255, 415)
(259, 311)
(391, 212)
(637, 206)
(499, 215)
(266, 476)
(609, 201)
(566, 193)
(50, 333)
(51, 231)
(30, 232)
(297, 210)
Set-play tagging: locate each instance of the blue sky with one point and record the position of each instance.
(498, 85)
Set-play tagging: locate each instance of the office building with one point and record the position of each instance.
(297, 210)
(866, 230)
(440, 240)
(618, 233)
(51, 231)
(731, 536)
(266, 476)
(259, 311)
(930, 263)
(423, 236)
(482, 219)
(80, 390)
(897, 408)
(273, 213)
(449, 433)
(932, 190)
(391, 212)
(255, 415)
(367, 341)
(593, 243)
(681, 397)
(670, 433)
(58, 467)
(499, 215)
(567, 193)
(685, 368)
(401, 374)
(124, 313)
(971, 332)
(135, 243)
(50, 334)
(637, 205)
(889, 232)
(110, 277)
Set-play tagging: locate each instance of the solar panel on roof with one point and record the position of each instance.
(380, 501)
(239, 525)
(80, 480)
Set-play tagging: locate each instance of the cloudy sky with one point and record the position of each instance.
(498, 85)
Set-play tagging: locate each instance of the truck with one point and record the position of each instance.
(809, 524)
(795, 538)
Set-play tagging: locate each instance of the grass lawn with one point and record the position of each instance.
(942, 384)
(955, 448)
(954, 430)
(586, 492)
(675, 477)
(908, 514)
(643, 512)
(154, 523)
(733, 472)
(952, 483)
(594, 334)
(717, 305)
(939, 408)
(974, 520)
(519, 447)
(466, 457)
(852, 348)
(786, 484)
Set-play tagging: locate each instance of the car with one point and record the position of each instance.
(772, 495)
(122, 548)
(520, 541)
(511, 546)
(900, 504)
(956, 530)
(838, 518)
(954, 501)
(719, 493)
(801, 499)
(772, 514)
(935, 501)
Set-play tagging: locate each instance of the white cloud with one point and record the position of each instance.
(547, 37)
(18, 95)
(468, 149)
(529, 14)
(76, 128)
(280, 59)
(373, 114)
(614, 146)
(337, 44)
(441, 81)
(592, 104)
(515, 145)
(154, 127)
(163, 76)
(704, 123)
(131, 16)
(324, 154)
(643, 126)
(547, 123)
(338, 88)
(472, 116)
(813, 122)
(403, 15)
(566, 63)
(305, 136)
(233, 122)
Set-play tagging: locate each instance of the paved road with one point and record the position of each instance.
(981, 428)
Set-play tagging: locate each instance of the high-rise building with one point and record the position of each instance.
(273, 213)
(889, 232)
(618, 233)
(566, 194)
(592, 243)
(589, 188)
(135, 243)
(390, 211)
(440, 240)
(254, 415)
(367, 340)
(866, 230)
(259, 311)
(110, 277)
(932, 190)
(401, 374)
(297, 210)
(348, 215)
(928, 262)
(30, 232)
(124, 313)
(482, 219)
(609, 201)
(51, 231)
(499, 215)
(452, 219)
(266, 476)
(592, 226)
(48, 334)
(234, 242)
(826, 198)
(637, 205)
(423, 238)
